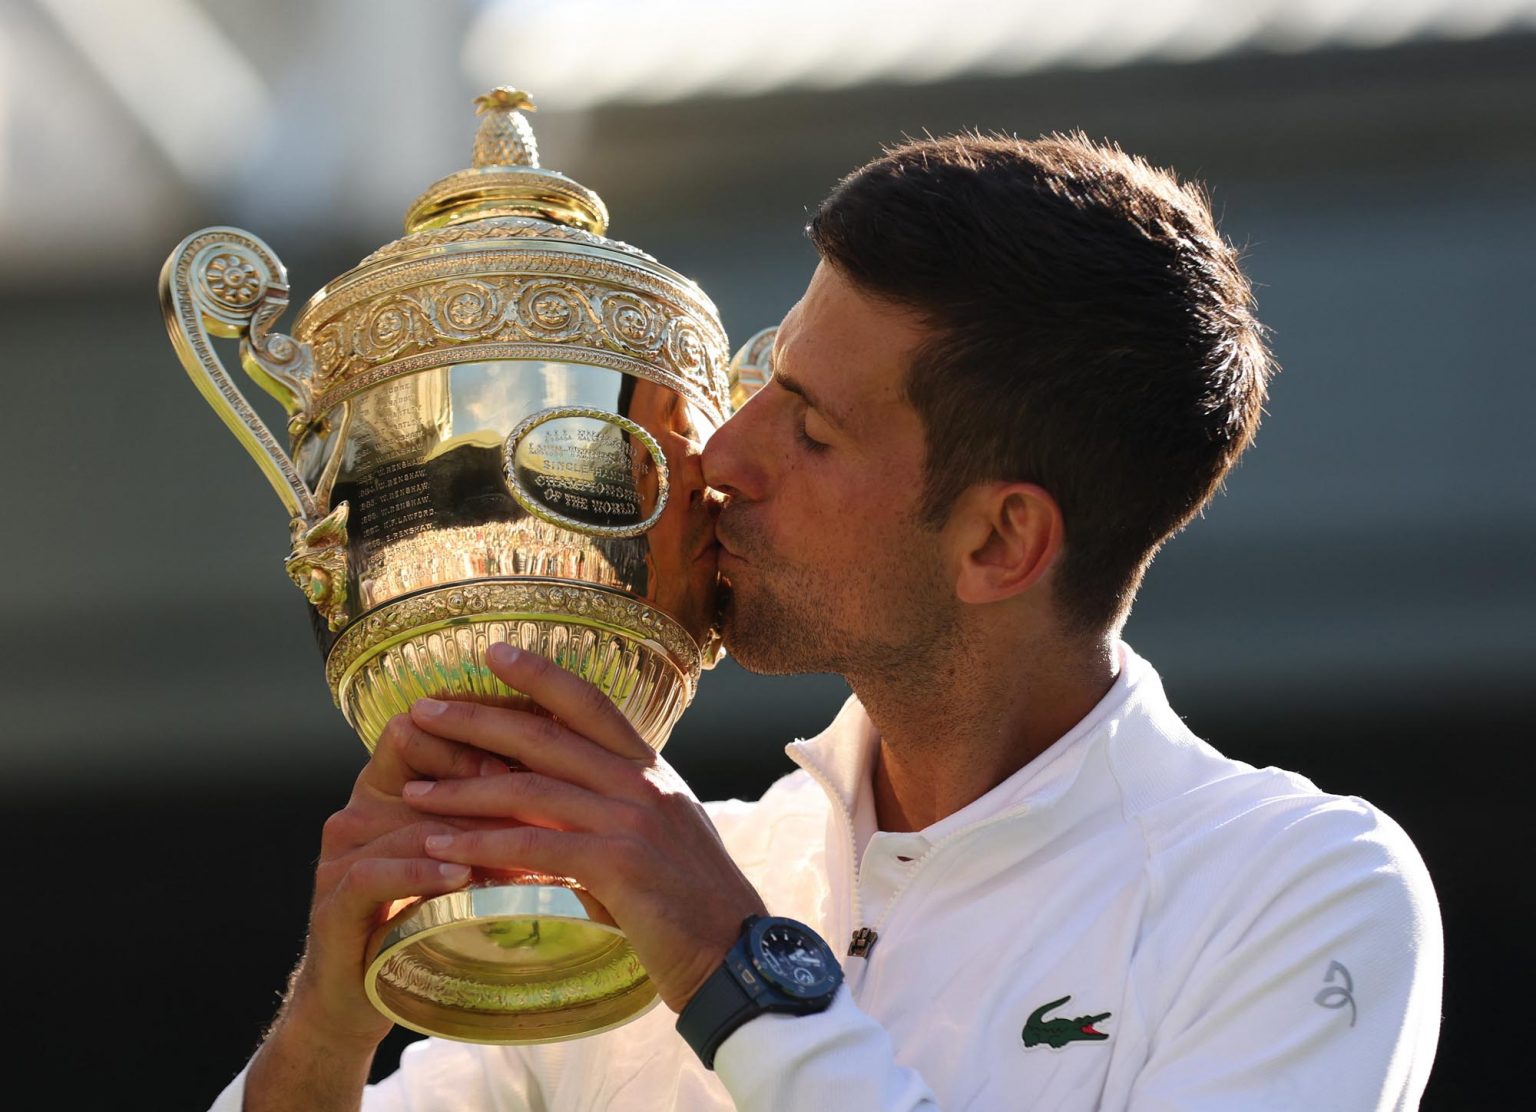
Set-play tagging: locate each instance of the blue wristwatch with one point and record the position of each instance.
(777, 965)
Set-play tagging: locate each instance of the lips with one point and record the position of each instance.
(720, 538)
(735, 532)
(727, 550)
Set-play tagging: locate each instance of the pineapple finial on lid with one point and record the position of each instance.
(505, 137)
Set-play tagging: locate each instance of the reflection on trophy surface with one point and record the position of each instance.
(494, 425)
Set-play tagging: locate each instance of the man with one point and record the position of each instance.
(1019, 368)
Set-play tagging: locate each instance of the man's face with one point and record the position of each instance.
(828, 567)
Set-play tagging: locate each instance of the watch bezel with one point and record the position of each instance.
(818, 990)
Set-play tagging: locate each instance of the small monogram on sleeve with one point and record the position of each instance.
(1339, 990)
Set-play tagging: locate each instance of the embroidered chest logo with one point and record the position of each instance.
(1058, 1032)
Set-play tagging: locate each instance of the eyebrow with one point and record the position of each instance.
(795, 386)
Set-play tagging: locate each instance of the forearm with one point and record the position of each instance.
(302, 1064)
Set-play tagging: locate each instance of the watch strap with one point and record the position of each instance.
(719, 1007)
(737, 992)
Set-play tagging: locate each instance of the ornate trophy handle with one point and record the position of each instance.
(229, 283)
(226, 282)
(752, 366)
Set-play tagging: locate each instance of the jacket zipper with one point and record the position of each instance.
(854, 949)
(862, 942)
(872, 934)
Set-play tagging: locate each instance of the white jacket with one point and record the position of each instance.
(1255, 943)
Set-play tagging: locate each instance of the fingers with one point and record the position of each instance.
(577, 703)
(406, 752)
(535, 741)
(354, 829)
(525, 796)
(353, 890)
(372, 883)
(530, 848)
(387, 827)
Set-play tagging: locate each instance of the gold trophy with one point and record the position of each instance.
(493, 425)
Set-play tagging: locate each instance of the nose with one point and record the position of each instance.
(731, 464)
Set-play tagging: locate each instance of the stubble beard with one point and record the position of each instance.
(800, 622)
(769, 636)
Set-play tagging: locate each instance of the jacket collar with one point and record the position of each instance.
(842, 756)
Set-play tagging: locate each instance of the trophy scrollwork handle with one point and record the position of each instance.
(751, 367)
(226, 282)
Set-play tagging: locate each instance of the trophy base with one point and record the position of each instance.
(506, 964)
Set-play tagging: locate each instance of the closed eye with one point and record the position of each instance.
(807, 403)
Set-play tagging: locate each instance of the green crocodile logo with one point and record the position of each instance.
(1058, 1032)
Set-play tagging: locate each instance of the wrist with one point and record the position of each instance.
(777, 965)
(346, 1031)
(704, 966)
(305, 1063)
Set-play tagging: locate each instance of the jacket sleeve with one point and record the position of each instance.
(1321, 987)
(839, 1058)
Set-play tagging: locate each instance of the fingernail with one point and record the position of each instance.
(454, 874)
(439, 841)
(431, 707)
(415, 788)
(503, 653)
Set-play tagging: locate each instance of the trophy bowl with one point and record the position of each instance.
(494, 425)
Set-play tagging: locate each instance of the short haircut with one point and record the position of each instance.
(1092, 333)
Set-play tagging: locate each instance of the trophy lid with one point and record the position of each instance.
(505, 178)
(508, 260)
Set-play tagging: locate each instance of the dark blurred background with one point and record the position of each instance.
(1356, 607)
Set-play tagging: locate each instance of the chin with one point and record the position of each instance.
(765, 646)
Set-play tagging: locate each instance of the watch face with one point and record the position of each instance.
(795, 961)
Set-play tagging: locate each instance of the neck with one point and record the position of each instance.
(947, 743)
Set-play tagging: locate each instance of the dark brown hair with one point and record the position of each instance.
(1092, 333)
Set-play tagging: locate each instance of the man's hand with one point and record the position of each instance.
(598, 805)
(319, 1050)
(371, 854)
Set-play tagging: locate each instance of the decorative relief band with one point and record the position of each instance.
(562, 257)
(444, 309)
(492, 600)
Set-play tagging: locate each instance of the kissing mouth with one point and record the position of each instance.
(720, 538)
(725, 547)
(737, 532)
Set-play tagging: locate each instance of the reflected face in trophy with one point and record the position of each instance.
(827, 563)
(681, 553)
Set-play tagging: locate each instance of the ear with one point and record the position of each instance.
(1004, 537)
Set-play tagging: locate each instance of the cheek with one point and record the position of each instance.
(861, 517)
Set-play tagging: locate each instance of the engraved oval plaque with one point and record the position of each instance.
(587, 470)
